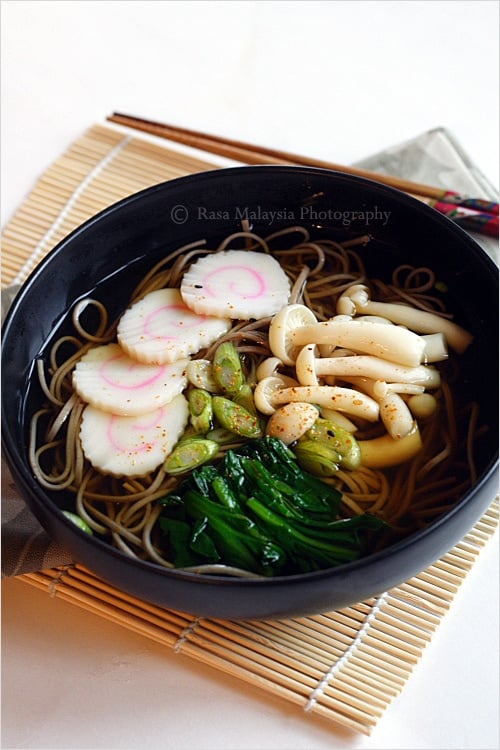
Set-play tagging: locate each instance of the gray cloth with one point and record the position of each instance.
(25, 545)
(436, 158)
(433, 158)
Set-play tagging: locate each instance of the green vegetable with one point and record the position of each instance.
(317, 457)
(189, 453)
(310, 493)
(260, 511)
(235, 418)
(227, 370)
(333, 438)
(78, 521)
(441, 286)
(200, 410)
(224, 494)
(220, 435)
(244, 398)
(236, 536)
(178, 535)
(202, 543)
(203, 478)
(320, 550)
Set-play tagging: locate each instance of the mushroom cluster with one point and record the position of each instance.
(373, 361)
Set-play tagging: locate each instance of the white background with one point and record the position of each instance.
(331, 79)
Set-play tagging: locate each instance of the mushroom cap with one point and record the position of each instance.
(291, 421)
(354, 298)
(288, 319)
(266, 390)
(268, 367)
(422, 405)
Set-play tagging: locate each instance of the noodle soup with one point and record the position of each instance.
(106, 260)
(413, 434)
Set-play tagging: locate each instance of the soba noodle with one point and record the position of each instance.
(125, 510)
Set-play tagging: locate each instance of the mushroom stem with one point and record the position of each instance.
(436, 349)
(381, 388)
(384, 451)
(356, 299)
(308, 368)
(394, 413)
(268, 396)
(392, 343)
(396, 416)
(339, 419)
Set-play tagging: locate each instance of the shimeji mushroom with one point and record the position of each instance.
(268, 367)
(422, 405)
(290, 422)
(395, 415)
(435, 346)
(309, 368)
(356, 299)
(385, 451)
(374, 319)
(293, 328)
(290, 318)
(381, 388)
(339, 419)
(394, 412)
(270, 394)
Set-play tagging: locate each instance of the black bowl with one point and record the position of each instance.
(111, 250)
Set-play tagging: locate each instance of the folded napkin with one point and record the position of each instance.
(433, 158)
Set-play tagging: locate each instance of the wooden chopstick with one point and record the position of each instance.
(252, 154)
(473, 214)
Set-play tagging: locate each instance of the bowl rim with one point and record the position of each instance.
(20, 469)
(404, 198)
(256, 582)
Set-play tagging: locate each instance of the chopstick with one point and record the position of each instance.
(475, 214)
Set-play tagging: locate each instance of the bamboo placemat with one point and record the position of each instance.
(346, 666)
(103, 166)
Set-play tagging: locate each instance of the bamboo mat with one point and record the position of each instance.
(103, 166)
(346, 666)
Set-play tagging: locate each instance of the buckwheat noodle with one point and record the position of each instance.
(125, 510)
